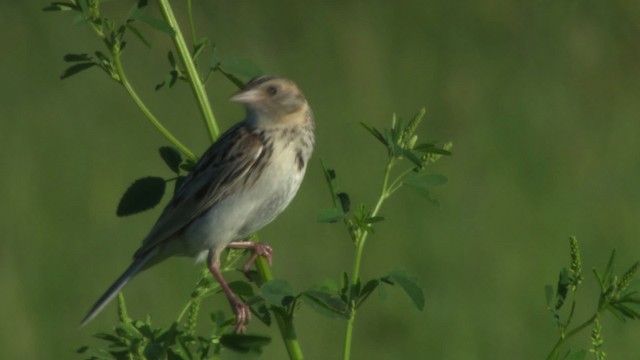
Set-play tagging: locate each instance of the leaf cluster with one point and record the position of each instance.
(617, 297)
(113, 34)
(136, 339)
(147, 192)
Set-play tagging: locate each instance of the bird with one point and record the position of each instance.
(239, 185)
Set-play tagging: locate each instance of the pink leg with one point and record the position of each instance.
(257, 249)
(242, 311)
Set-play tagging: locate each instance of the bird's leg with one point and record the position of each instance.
(242, 311)
(257, 249)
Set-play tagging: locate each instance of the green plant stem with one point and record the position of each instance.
(125, 82)
(285, 323)
(192, 25)
(359, 243)
(192, 73)
(572, 333)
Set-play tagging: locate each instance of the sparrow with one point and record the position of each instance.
(239, 185)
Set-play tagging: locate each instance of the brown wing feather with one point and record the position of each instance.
(223, 166)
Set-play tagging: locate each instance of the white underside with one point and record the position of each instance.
(243, 213)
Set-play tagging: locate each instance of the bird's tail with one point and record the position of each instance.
(137, 265)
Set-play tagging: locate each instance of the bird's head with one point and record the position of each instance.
(273, 99)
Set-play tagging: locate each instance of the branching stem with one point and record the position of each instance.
(359, 244)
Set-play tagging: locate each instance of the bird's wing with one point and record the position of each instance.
(223, 167)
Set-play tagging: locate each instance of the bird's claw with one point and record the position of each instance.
(258, 249)
(243, 316)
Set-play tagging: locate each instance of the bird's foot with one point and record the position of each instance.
(257, 249)
(243, 315)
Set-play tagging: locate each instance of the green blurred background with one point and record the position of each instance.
(541, 99)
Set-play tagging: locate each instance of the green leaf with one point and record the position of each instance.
(138, 34)
(237, 82)
(77, 57)
(215, 60)
(562, 288)
(424, 180)
(548, 293)
(330, 215)
(277, 292)
(143, 194)
(244, 343)
(76, 69)
(241, 68)
(137, 10)
(608, 272)
(61, 6)
(171, 157)
(345, 201)
(157, 24)
(375, 133)
(367, 289)
(241, 288)
(326, 304)
(431, 149)
(197, 48)
(412, 157)
(409, 284)
(576, 355)
(627, 311)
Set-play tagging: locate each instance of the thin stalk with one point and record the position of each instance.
(192, 25)
(572, 333)
(124, 81)
(192, 73)
(122, 78)
(285, 323)
(355, 275)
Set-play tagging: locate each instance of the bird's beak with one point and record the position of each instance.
(247, 96)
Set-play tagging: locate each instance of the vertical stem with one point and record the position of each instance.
(355, 275)
(194, 79)
(285, 323)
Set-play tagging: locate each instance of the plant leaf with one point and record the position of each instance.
(143, 194)
(138, 34)
(345, 201)
(424, 180)
(330, 215)
(576, 355)
(137, 9)
(197, 49)
(367, 289)
(61, 6)
(244, 343)
(375, 133)
(409, 284)
(77, 57)
(157, 24)
(171, 157)
(241, 68)
(74, 69)
(277, 292)
(431, 149)
(326, 304)
(548, 293)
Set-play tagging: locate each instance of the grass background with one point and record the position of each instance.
(540, 99)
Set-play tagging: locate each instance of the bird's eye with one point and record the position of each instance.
(272, 90)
